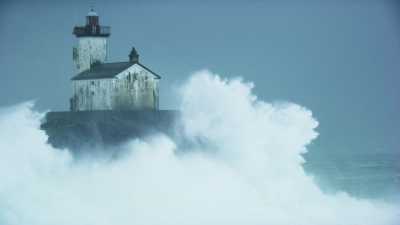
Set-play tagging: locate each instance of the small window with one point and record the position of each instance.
(92, 93)
(92, 82)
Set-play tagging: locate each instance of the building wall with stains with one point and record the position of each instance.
(88, 51)
(133, 89)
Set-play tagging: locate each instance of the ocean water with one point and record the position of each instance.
(367, 175)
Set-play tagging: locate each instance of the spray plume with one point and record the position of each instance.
(244, 166)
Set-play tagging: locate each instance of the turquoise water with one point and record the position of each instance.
(369, 175)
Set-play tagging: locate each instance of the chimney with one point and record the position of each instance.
(134, 56)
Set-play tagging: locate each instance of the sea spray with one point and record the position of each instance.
(247, 169)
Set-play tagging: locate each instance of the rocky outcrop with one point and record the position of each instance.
(89, 131)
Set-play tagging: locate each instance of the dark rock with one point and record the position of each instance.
(91, 131)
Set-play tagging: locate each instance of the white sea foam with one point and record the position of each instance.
(246, 169)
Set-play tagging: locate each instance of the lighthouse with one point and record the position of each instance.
(111, 102)
(92, 42)
(101, 85)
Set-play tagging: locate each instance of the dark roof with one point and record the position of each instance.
(108, 70)
(146, 68)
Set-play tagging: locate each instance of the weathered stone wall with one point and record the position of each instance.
(90, 50)
(135, 88)
(92, 94)
(132, 89)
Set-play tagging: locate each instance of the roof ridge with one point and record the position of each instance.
(115, 62)
(158, 76)
(109, 70)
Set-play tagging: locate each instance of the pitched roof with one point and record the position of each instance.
(108, 70)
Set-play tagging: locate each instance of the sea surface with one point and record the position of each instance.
(367, 175)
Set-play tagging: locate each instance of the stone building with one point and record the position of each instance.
(102, 85)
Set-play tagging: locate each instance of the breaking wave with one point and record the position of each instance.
(246, 170)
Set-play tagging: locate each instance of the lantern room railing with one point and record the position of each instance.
(92, 31)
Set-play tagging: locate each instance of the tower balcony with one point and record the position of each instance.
(92, 31)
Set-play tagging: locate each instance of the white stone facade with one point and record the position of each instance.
(135, 88)
(90, 50)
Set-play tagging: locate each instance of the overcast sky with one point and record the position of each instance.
(341, 59)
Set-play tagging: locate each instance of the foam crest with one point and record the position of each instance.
(244, 167)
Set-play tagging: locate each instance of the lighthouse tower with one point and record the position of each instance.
(92, 43)
(103, 85)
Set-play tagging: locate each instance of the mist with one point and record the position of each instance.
(243, 166)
